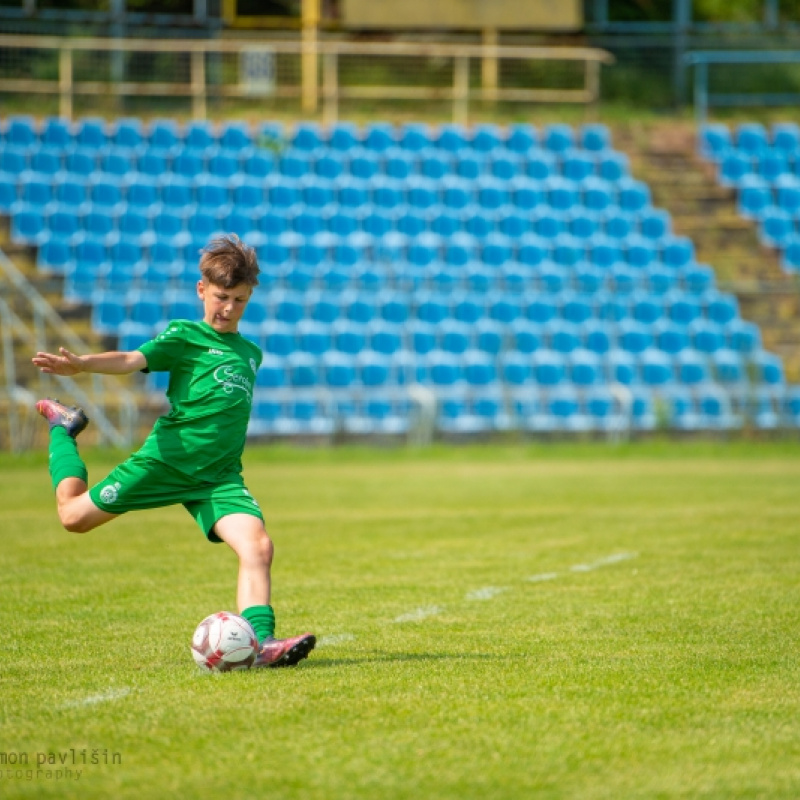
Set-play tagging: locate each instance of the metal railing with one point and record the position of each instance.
(386, 71)
(704, 99)
(100, 398)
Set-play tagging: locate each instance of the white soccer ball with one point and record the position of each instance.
(224, 642)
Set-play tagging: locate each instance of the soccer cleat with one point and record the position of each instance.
(72, 419)
(285, 652)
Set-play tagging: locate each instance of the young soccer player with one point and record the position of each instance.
(193, 454)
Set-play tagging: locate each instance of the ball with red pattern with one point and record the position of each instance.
(224, 642)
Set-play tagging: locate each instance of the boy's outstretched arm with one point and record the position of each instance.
(111, 363)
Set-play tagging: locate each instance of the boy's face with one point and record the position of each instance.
(223, 308)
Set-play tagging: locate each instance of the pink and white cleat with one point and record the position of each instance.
(285, 652)
(72, 419)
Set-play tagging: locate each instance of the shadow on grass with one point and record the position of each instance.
(319, 661)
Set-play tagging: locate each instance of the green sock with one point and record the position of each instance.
(64, 459)
(262, 618)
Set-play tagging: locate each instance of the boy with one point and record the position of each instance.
(193, 454)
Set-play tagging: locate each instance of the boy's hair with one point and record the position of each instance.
(227, 261)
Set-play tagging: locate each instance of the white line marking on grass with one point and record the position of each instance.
(603, 562)
(335, 638)
(486, 593)
(94, 699)
(420, 613)
(542, 576)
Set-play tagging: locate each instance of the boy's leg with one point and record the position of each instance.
(246, 536)
(68, 473)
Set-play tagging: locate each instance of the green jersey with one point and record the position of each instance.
(210, 391)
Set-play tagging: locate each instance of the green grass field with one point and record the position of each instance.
(499, 622)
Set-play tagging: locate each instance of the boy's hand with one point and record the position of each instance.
(66, 364)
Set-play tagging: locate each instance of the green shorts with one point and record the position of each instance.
(141, 482)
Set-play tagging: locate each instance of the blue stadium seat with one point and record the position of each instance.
(621, 367)
(470, 165)
(558, 137)
(235, 136)
(259, 164)
(743, 336)
(715, 408)
(618, 224)
(613, 166)
(313, 337)
(604, 251)
(754, 197)
(348, 337)
(599, 195)
(585, 368)
(163, 134)
(343, 136)
(434, 164)
(549, 368)
(692, 367)
(35, 189)
(489, 336)
(597, 336)
(577, 164)
(540, 165)
(46, 161)
(714, 140)
(632, 195)
(109, 311)
(768, 368)
(677, 251)
(562, 336)
(647, 308)
(379, 136)
(575, 307)
(478, 368)
(728, 367)
(683, 308)
(733, 167)
(56, 133)
(521, 137)
(785, 137)
(595, 137)
(562, 194)
(670, 336)
(661, 280)
(54, 255)
(655, 367)
(772, 165)
(751, 138)
(453, 336)
(451, 138)
(387, 193)
(133, 334)
(145, 309)
(515, 368)
(589, 279)
(363, 165)
(634, 337)
(655, 223)
(20, 130)
(776, 228)
(486, 138)
(541, 309)
(306, 136)
(398, 164)
(279, 338)
(468, 306)
(504, 166)
(303, 370)
(414, 136)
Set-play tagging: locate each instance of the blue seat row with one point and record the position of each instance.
(359, 163)
(165, 134)
(627, 196)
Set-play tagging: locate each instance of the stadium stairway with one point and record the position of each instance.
(665, 156)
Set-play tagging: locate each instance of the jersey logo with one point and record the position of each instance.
(231, 381)
(214, 352)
